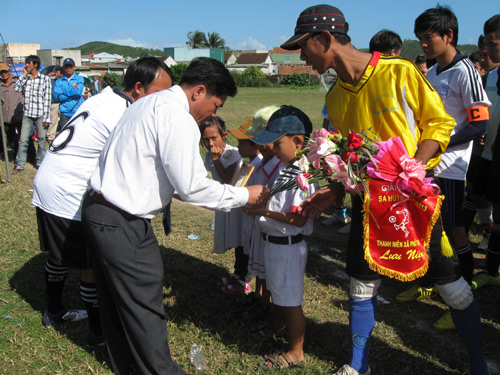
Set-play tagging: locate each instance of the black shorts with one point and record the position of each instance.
(453, 204)
(473, 169)
(442, 269)
(481, 177)
(63, 239)
(493, 185)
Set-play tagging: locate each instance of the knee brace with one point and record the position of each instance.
(457, 294)
(363, 289)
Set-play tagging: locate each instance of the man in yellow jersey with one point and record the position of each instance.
(392, 97)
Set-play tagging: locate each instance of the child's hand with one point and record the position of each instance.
(252, 211)
(216, 152)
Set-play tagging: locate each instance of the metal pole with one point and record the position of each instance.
(4, 144)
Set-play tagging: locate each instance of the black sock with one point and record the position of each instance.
(88, 294)
(54, 284)
(470, 211)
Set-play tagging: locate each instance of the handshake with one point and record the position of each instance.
(257, 195)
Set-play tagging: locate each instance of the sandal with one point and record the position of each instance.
(17, 170)
(236, 288)
(275, 362)
(228, 280)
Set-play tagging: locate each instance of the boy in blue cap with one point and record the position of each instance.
(285, 251)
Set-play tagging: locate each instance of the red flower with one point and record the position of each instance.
(355, 141)
(352, 156)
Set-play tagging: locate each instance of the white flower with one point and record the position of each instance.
(304, 164)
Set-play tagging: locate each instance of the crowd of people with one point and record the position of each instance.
(117, 161)
(36, 106)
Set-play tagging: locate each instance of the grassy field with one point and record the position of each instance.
(403, 342)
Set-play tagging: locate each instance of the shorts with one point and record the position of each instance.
(482, 176)
(63, 239)
(473, 169)
(493, 185)
(442, 270)
(453, 204)
(285, 268)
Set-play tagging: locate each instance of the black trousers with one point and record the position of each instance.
(129, 275)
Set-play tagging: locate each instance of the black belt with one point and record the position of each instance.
(286, 240)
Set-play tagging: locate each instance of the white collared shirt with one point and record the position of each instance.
(152, 152)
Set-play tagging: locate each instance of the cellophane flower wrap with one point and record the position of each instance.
(352, 160)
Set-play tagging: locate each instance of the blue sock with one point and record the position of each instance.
(468, 324)
(361, 321)
(341, 212)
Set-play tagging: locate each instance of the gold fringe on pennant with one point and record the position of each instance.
(392, 273)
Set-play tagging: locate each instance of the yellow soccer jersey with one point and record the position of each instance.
(394, 99)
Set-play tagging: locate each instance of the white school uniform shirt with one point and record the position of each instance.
(491, 91)
(61, 182)
(459, 86)
(287, 201)
(228, 225)
(152, 152)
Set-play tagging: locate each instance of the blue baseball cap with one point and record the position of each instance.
(288, 120)
(69, 61)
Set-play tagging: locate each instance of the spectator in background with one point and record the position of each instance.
(96, 86)
(69, 91)
(486, 62)
(386, 42)
(54, 106)
(475, 57)
(421, 63)
(37, 91)
(12, 107)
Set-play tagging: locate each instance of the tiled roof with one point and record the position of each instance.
(252, 58)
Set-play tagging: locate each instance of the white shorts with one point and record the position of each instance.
(285, 267)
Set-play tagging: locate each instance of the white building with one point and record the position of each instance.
(17, 51)
(56, 56)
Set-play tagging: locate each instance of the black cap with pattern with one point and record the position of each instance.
(316, 19)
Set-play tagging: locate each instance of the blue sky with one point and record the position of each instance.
(243, 24)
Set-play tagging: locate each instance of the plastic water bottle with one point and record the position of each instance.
(197, 358)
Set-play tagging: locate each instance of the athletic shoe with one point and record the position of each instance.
(97, 341)
(335, 219)
(445, 323)
(345, 229)
(62, 316)
(75, 315)
(49, 318)
(484, 243)
(485, 279)
(348, 370)
(417, 292)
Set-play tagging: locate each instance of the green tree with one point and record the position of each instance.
(113, 80)
(196, 39)
(298, 80)
(251, 77)
(177, 72)
(213, 40)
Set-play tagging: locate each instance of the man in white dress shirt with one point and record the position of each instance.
(61, 183)
(152, 152)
